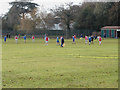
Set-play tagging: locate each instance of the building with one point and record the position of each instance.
(110, 31)
(57, 23)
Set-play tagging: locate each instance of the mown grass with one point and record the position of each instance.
(35, 65)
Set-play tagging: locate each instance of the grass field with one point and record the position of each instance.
(35, 65)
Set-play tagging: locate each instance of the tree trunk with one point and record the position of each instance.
(68, 31)
(22, 23)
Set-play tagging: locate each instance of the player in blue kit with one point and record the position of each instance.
(73, 39)
(89, 40)
(58, 43)
(5, 38)
(24, 39)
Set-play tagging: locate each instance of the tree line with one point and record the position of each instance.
(86, 16)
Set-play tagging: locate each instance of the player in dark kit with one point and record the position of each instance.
(62, 42)
(92, 39)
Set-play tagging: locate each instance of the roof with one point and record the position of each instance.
(111, 27)
(57, 17)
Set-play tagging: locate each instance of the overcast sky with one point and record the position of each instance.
(4, 4)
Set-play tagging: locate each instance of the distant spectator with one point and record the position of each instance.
(104, 35)
(19, 35)
(9, 35)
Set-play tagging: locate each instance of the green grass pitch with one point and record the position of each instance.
(35, 65)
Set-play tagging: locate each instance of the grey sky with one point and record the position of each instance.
(4, 5)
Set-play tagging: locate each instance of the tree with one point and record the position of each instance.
(86, 18)
(66, 13)
(11, 19)
(114, 13)
(46, 20)
(17, 13)
(94, 15)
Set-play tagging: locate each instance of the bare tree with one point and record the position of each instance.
(67, 15)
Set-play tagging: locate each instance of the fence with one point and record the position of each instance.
(51, 33)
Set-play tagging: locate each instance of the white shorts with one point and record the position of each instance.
(85, 41)
(99, 42)
(16, 39)
(46, 41)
